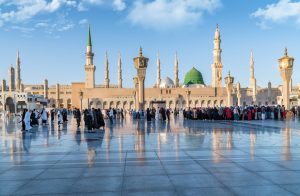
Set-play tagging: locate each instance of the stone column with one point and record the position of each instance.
(141, 92)
(3, 85)
(46, 89)
(229, 85)
(136, 93)
(188, 93)
(254, 92)
(57, 95)
(286, 64)
(238, 94)
(22, 88)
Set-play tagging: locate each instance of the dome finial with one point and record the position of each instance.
(285, 51)
(141, 51)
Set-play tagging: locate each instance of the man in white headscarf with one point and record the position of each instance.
(27, 120)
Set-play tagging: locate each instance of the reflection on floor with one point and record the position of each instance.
(154, 158)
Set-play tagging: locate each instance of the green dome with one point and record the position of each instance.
(193, 77)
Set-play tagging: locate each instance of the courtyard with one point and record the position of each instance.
(134, 157)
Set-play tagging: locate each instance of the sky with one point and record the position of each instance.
(51, 36)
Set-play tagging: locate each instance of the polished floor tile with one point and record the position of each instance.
(134, 157)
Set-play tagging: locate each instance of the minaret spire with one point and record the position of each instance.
(217, 65)
(251, 66)
(89, 37)
(106, 72)
(89, 63)
(252, 77)
(120, 85)
(18, 72)
(176, 79)
(158, 79)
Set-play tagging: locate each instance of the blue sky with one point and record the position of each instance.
(52, 35)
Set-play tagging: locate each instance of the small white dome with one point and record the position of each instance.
(166, 83)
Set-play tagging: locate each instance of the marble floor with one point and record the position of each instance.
(139, 158)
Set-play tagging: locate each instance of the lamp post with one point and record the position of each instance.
(286, 64)
(81, 97)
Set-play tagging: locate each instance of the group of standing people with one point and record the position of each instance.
(239, 113)
(93, 118)
(30, 118)
(159, 114)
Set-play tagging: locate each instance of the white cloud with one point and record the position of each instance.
(165, 14)
(22, 29)
(41, 24)
(119, 5)
(83, 22)
(84, 4)
(66, 27)
(278, 12)
(27, 9)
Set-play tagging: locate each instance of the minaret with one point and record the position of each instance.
(217, 64)
(269, 91)
(89, 65)
(11, 78)
(18, 72)
(158, 79)
(252, 77)
(106, 72)
(120, 85)
(176, 79)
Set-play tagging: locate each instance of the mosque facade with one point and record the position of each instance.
(192, 91)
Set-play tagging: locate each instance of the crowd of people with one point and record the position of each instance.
(30, 118)
(241, 113)
(94, 118)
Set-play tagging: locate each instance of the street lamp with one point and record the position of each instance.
(81, 97)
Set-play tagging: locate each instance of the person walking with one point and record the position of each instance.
(148, 114)
(44, 117)
(59, 118)
(27, 119)
(77, 116)
(111, 115)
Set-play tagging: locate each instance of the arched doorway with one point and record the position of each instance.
(105, 105)
(10, 105)
(131, 105)
(118, 105)
(125, 105)
(99, 105)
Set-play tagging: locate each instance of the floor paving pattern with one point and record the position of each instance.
(134, 157)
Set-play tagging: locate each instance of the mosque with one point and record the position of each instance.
(167, 92)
